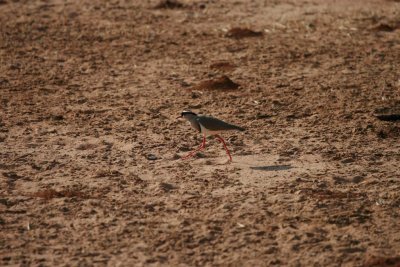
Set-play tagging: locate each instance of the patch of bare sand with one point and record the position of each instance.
(90, 169)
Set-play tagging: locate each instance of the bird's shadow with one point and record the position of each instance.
(272, 168)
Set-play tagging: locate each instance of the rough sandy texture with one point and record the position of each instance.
(89, 94)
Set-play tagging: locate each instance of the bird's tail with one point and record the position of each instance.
(239, 128)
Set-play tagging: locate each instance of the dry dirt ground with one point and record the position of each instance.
(90, 168)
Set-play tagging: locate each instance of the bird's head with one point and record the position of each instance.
(188, 115)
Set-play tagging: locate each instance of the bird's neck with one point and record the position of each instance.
(191, 117)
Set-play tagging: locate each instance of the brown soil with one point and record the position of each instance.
(169, 4)
(221, 83)
(240, 33)
(223, 66)
(90, 168)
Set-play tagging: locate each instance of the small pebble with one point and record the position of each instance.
(151, 157)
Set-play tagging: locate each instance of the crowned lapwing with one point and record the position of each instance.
(208, 126)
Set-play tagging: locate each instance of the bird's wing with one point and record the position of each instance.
(214, 124)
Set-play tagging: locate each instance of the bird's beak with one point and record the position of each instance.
(178, 117)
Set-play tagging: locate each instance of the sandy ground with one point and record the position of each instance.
(90, 168)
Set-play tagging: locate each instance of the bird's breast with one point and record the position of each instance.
(195, 125)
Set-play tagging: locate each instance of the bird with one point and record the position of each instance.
(208, 126)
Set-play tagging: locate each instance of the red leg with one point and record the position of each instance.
(201, 147)
(226, 148)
